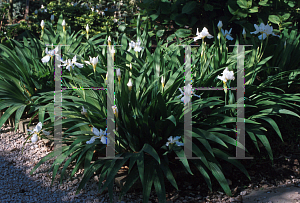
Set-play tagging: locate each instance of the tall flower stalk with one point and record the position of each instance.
(87, 31)
(43, 26)
(93, 61)
(226, 75)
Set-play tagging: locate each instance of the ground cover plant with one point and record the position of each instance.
(146, 100)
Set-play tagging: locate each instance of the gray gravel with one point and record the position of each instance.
(17, 185)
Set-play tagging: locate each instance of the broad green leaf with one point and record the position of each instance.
(141, 166)
(159, 185)
(172, 119)
(114, 169)
(147, 185)
(164, 166)
(189, 7)
(150, 150)
(274, 19)
(88, 158)
(273, 124)
(242, 3)
(253, 9)
(94, 167)
(160, 33)
(266, 143)
(67, 164)
(183, 159)
(223, 155)
(220, 177)
(183, 33)
(285, 16)
(8, 113)
(130, 179)
(264, 3)
(208, 7)
(19, 113)
(204, 173)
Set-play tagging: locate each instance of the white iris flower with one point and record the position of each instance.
(227, 34)
(226, 75)
(49, 54)
(174, 140)
(99, 134)
(36, 132)
(70, 64)
(264, 30)
(136, 46)
(204, 33)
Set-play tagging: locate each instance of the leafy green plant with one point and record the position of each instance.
(235, 13)
(22, 77)
(144, 110)
(140, 137)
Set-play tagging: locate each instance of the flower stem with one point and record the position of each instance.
(225, 89)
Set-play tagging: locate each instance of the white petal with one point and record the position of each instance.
(177, 137)
(46, 133)
(46, 59)
(34, 138)
(102, 132)
(221, 78)
(180, 144)
(187, 99)
(103, 140)
(68, 67)
(229, 37)
(137, 49)
(118, 72)
(39, 126)
(96, 131)
(79, 65)
(196, 38)
(132, 44)
(222, 31)
(182, 93)
(210, 36)
(182, 99)
(197, 95)
(74, 59)
(220, 24)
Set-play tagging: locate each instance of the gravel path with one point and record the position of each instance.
(17, 185)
